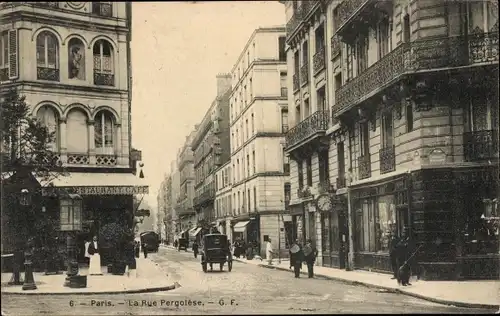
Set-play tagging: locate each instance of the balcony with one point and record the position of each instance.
(303, 11)
(103, 79)
(387, 159)
(204, 197)
(102, 9)
(293, 23)
(284, 92)
(319, 60)
(304, 74)
(106, 160)
(315, 124)
(335, 44)
(347, 9)
(341, 182)
(422, 55)
(480, 145)
(296, 84)
(78, 159)
(364, 165)
(44, 73)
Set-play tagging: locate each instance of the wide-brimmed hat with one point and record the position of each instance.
(294, 249)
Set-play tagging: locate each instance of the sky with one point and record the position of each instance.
(177, 50)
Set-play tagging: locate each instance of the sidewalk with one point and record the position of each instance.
(149, 278)
(473, 294)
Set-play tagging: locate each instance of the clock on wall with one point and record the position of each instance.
(324, 202)
(76, 5)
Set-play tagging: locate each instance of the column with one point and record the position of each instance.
(91, 129)
(119, 146)
(63, 147)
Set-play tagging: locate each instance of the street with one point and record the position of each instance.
(248, 289)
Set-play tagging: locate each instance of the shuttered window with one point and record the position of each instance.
(9, 55)
(13, 52)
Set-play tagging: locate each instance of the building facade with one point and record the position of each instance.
(223, 199)
(186, 215)
(165, 207)
(211, 149)
(394, 112)
(259, 121)
(76, 76)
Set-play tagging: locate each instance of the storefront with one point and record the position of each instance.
(334, 234)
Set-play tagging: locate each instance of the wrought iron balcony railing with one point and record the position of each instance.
(304, 74)
(480, 145)
(296, 84)
(419, 55)
(44, 73)
(314, 124)
(335, 45)
(364, 165)
(294, 22)
(341, 182)
(319, 60)
(387, 159)
(104, 79)
(347, 8)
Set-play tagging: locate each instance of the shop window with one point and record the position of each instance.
(325, 232)
(309, 171)
(482, 226)
(365, 227)
(386, 222)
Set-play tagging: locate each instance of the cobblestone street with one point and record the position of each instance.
(247, 289)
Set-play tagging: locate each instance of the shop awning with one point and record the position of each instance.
(86, 183)
(195, 232)
(240, 226)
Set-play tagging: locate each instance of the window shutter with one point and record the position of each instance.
(13, 55)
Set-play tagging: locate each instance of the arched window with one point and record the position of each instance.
(49, 118)
(47, 56)
(76, 59)
(103, 63)
(104, 132)
(77, 131)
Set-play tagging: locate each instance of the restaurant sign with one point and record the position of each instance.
(97, 190)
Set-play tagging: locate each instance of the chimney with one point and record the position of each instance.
(223, 83)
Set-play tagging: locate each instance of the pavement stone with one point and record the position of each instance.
(473, 294)
(146, 279)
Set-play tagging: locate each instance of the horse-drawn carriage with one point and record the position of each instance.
(215, 248)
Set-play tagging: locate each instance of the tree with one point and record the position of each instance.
(25, 140)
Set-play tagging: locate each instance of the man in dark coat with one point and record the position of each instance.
(393, 242)
(405, 249)
(310, 254)
(195, 248)
(296, 256)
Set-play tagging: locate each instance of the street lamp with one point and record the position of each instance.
(29, 280)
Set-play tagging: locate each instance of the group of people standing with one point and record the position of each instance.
(402, 252)
(303, 253)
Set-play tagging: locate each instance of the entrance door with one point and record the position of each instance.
(343, 237)
(402, 220)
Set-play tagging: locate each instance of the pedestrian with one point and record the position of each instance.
(95, 258)
(393, 242)
(130, 256)
(404, 249)
(145, 249)
(310, 254)
(269, 252)
(296, 258)
(195, 249)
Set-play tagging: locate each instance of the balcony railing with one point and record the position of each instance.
(341, 182)
(44, 73)
(104, 79)
(102, 9)
(480, 145)
(335, 45)
(296, 84)
(302, 12)
(4, 74)
(304, 74)
(106, 160)
(347, 8)
(417, 56)
(387, 159)
(319, 60)
(314, 124)
(284, 92)
(78, 159)
(364, 164)
(294, 22)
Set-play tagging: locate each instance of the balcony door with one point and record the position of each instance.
(320, 39)
(340, 161)
(387, 130)
(321, 98)
(482, 114)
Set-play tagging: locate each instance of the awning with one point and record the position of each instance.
(86, 183)
(195, 232)
(240, 226)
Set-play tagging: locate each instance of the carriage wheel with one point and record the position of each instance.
(229, 266)
(204, 266)
(221, 266)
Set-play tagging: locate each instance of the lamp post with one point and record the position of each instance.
(29, 280)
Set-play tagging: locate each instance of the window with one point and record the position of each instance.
(4, 56)
(296, 63)
(309, 171)
(246, 127)
(249, 201)
(386, 222)
(48, 117)
(253, 124)
(243, 200)
(325, 231)
(383, 38)
(248, 165)
(286, 163)
(47, 56)
(281, 48)
(250, 88)
(103, 63)
(482, 16)
(362, 53)
(324, 173)
(102, 8)
(238, 178)
(406, 28)
(338, 81)
(71, 214)
(284, 120)
(320, 39)
(305, 53)
(255, 201)
(409, 117)
(245, 95)
(321, 99)
(365, 226)
(77, 132)
(307, 109)
(76, 59)
(387, 130)
(300, 172)
(364, 140)
(253, 162)
(283, 85)
(341, 161)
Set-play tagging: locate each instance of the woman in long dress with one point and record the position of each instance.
(95, 258)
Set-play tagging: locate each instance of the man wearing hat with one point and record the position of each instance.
(310, 254)
(296, 258)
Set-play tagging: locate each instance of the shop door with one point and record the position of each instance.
(402, 220)
(343, 237)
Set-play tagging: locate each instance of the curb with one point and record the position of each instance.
(136, 291)
(388, 289)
